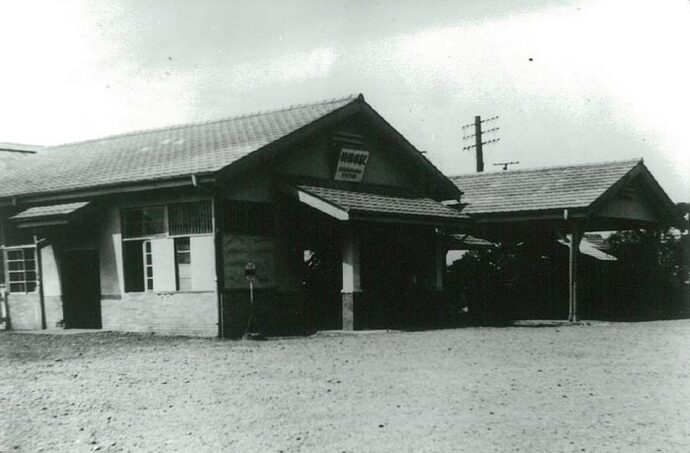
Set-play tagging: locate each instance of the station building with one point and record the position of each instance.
(343, 219)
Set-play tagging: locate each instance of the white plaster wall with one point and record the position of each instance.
(163, 251)
(203, 258)
(51, 272)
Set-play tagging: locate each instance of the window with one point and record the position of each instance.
(133, 258)
(148, 265)
(21, 270)
(183, 264)
(245, 217)
(156, 245)
(142, 222)
(190, 218)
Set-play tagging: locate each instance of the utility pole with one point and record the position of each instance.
(478, 143)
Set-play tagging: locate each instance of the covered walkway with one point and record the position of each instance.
(562, 204)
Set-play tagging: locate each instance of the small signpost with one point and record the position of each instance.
(250, 275)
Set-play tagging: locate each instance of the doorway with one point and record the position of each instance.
(81, 289)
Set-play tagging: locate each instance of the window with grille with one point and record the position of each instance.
(21, 270)
(190, 218)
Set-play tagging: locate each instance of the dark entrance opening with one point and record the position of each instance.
(81, 289)
(395, 276)
(321, 249)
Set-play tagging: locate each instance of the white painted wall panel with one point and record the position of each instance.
(203, 263)
(51, 274)
(163, 251)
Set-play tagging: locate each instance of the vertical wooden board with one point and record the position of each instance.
(238, 250)
(203, 263)
(163, 251)
(51, 275)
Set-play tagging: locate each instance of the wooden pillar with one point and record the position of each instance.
(439, 264)
(218, 228)
(351, 280)
(574, 239)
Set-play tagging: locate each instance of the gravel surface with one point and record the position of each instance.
(603, 387)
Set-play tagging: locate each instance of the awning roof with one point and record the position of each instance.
(353, 205)
(59, 214)
(589, 248)
(468, 242)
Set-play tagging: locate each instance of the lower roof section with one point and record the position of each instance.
(58, 214)
(360, 205)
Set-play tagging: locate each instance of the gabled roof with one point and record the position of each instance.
(539, 189)
(159, 154)
(211, 148)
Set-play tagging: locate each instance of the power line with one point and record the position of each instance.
(478, 143)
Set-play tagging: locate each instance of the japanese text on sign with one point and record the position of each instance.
(351, 165)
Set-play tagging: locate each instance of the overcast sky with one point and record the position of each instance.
(573, 81)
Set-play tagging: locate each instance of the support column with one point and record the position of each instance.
(439, 264)
(574, 239)
(351, 282)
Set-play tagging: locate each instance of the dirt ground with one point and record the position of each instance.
(604, 387)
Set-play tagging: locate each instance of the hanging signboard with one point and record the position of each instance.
(351, 165)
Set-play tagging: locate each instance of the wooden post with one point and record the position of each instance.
(574, 243)
(218, 228)
(351, 282)
(439, 261)
(39, 281)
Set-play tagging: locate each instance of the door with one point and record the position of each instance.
(81, 289)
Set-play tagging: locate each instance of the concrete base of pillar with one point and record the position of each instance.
(349, 306)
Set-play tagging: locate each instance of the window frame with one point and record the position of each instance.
(149, 236)
(147, 251)
(177, 252)
(24, 281)
(166, 233)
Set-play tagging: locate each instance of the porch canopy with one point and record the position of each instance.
(53, 215)
(349, 205)
(567, 201)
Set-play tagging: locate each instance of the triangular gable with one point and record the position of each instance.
(638, 197)
(439, 186)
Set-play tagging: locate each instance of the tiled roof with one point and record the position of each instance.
(49, 211)
(161, 153)
(12, 165)
(365, 202)
(576, 186)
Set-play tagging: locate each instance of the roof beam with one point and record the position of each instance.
(322, 205)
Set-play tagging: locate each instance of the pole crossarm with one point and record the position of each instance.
(466, 148)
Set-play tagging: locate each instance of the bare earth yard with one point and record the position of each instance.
(615, 387)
